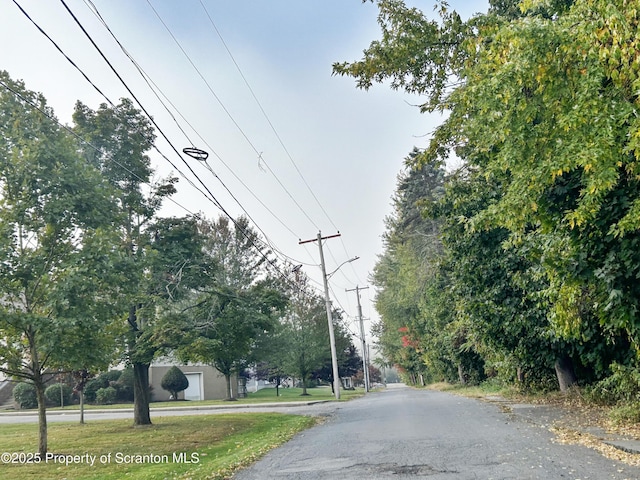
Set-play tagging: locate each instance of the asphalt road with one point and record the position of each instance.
(314, 408)
(404, 433)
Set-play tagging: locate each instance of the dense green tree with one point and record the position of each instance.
(241, 301)
(271, 352)
(352, 364)
(412, 332)
(57, 224)
(346, 354)
(299, 345)
(543, 107)
(307, 336)
(556, 121)
(160, 256)
(174, 382)
(495, 289)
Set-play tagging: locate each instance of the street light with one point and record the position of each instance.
(332, 337)
(343, 263)
(325, 278)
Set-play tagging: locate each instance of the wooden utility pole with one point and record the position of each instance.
(363, 343)
(332, 338)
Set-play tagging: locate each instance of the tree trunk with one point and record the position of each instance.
(565, 373)
(42, 417)
(520, 375)
(38, 383)
(141, 394)
(82, 406)
(461, 376)
(230, 397)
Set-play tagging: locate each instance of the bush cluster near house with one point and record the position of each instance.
(24, 395)
(114, 386)
(54, 395)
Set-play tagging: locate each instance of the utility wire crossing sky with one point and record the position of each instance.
(290, 146)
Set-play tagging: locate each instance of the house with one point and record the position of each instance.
(205, 381)
(6, 392)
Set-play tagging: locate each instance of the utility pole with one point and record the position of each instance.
(363, 343)
(332, 338)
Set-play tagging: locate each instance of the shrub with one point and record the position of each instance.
(106, 396)
(91, 388)
(111, 376)
(174, 381)
(625, 414)
(124, 385)
(52, 394)
(622, 386)
(25, 395)
(104, 380)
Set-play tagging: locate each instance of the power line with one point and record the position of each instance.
(89, 144)
(210, 196)
(264, 113)
(158, 93)
(61, 51)
(207, 195)
(150, 83)
(277, 135)
(233, 120)
(98, 150)
(133, 95)
(88, 79)
(210, 88)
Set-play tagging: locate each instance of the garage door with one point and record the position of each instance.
(194, 390)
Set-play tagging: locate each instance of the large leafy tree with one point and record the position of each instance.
(239, 303)
(573, 128)
(495, 289)
(556, 121)
(57, 222)
(306, 347)
(542, 100)
(298, 346)
(158, 255)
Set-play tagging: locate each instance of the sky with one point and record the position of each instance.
(250, 82)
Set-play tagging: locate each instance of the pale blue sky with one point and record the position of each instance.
(348, 144)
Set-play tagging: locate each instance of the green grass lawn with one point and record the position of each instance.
(266, 395)
(189, 447)
(294, 395)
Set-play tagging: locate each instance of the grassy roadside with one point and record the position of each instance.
(266, 395)
(189, 447)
